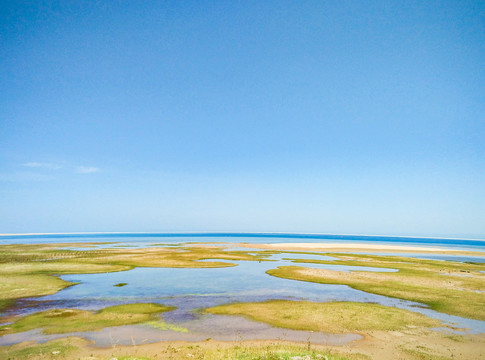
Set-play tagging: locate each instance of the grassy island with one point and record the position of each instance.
(59, 321)
(449, 287)
(331, 317)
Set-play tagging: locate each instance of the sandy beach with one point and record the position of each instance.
(361, 247)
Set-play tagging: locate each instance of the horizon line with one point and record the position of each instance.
(221, 233)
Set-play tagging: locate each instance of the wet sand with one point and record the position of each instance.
(215, 327)
(361, 247)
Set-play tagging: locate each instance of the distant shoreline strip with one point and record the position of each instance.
(314, 236)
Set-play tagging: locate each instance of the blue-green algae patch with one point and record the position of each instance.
(161, 325)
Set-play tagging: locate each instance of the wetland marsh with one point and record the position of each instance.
(160, 290)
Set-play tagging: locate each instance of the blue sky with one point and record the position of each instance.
(308, 116)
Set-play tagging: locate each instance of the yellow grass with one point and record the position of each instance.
(59, 321)
(332, 317)
(450, 287)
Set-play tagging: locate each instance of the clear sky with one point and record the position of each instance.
(309, 116)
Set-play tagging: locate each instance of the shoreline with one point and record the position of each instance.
(339, 247)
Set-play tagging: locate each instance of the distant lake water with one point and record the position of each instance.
(254, 238)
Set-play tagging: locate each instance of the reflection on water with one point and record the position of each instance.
(215, 327)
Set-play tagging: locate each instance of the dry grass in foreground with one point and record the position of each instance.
(79, 349)
(389, 333)
(379, 346)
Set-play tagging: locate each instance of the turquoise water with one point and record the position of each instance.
(255, 238)
(193, 289)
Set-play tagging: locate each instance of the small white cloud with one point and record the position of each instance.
(43, 165)
(86, 169)
(62, 165)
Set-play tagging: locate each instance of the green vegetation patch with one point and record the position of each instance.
(57, 349)
(331, 317)
(60, 321)
(18, 286)
(179, 257)
(450, 287)
(164, 326)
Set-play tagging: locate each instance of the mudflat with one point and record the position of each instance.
(448, 287)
